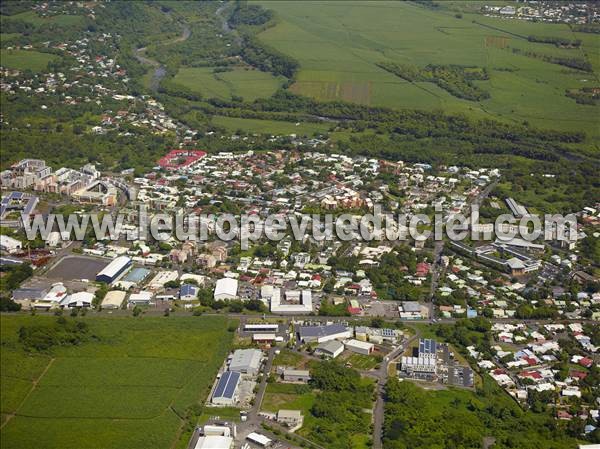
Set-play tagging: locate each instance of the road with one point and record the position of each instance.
(378, 411)
(437, 267)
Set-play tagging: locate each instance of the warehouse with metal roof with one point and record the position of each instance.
(226, 288)
(114, 269)
(246, 361)
(113, 299)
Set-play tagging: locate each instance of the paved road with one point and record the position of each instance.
(253, 414)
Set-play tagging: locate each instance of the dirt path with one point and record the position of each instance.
(34, 383)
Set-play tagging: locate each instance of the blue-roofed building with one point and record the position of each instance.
(188, 292)
(226, 391)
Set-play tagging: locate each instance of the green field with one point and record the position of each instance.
(240, 82)
(25, 60)
(270, 126)
(33, 18)
(127, 387)
(338, 45)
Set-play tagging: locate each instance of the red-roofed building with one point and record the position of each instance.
(531, 374)
(586, 362)
(422, 269)
(578, 374)
(563, 414)
(176, 159)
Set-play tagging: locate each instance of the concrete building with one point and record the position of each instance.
(246, 361)
(360, 347)
(226, 391)
(290, 418)
(296, 375)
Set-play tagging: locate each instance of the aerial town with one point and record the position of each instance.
(315, 299)
(121, 296)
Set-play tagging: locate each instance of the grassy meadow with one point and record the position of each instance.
(127, 386)
(240, 82)
(270, 126)
(338, 45)
(25, 60)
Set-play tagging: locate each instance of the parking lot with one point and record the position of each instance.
(76, 267)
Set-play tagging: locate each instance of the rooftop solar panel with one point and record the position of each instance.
(227, 385)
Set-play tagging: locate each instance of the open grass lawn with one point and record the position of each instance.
(25, 60)
(289, 397)
(362, 362)
(274, 127)
(240, 82)
(287, 358)
(126, 387)
(338, 45)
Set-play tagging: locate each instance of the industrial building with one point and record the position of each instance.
(360, 347)
(226, 391)
(113, 299)
(113, 270)
(296, 375)
(143, 298)
(246, 361)
(226, 288)
(79, 299)
(330, 349)
(321, 334)
(264, 338)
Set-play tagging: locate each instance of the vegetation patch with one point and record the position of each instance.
(457, 80)
(585, 95)
(114, 387)
(26, 60)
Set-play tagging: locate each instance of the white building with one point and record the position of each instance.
(141, 298)
(79, 299)
(9, 244)
(226, 288)
(305, 305)
(360, 347)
